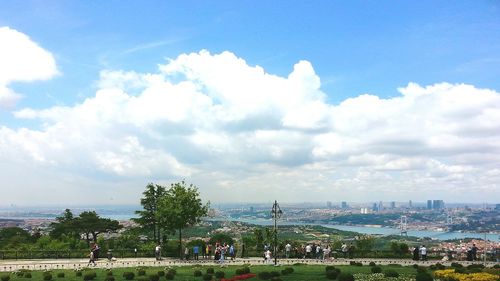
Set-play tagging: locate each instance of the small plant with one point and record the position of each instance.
(46, 276)
(423, 276)
(391, 273)
(372, 264)
(169, 276)
(141, 272)
(207, 277)
(332, 274)
(60, 275)
(197, 273)
(344, 276)
(238, 271)
(78, 273)
(128, 275)
(142, 278)
(329, 267)
(456, 265)
(352, 263)
(274, 274)
(287, 270)
(210, 270)
(154, 277)
(276, 279)
(219, 274)
(5, 278)
(376, 269)
(264, 275)
(89, 276)
(109, 278)
(27, 275)
(172, 271)
(109, 273)
(161, 273)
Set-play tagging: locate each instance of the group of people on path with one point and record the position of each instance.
(420, 253)
(94, 254)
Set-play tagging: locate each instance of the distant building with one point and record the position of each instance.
(437, 204)
(329, 204)
(380, 206)
(364, 211)
(497, 207)
(393, 205)
(374, 207)
(410, 204)
(429, 204)
(251, 209)
(344, 205)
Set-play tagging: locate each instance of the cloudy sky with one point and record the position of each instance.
(250, 100)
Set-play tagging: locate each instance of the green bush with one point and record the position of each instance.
(5, 278)
(460, 270)
(172, 271)
(475, 265)
(198, 273)
(109, 278)
(78, 273)
(329, 267)
(142, 278)
(161, 273)
(207, 277)
(344, 276)
(60, 275)
(423, 276)
(154, 277)
(109, 273)
(219, 274)
(169, 276)
(246, 270)
(376, 269)
(89, 276)
(47, 276)
(141, 272)
(496, 265)
(275, 274)
(128, 275)
(456, 265)
(287, 270)
(332, 274)
(210, 270)
(264, 275)
(239, 271)
(391, 273)
(415, 266)
(27, 275)
(276, 279)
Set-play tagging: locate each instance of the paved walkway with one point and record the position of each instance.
(14, 265)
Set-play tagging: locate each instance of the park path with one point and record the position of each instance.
(75, 264)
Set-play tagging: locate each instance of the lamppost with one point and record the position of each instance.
(276, 214)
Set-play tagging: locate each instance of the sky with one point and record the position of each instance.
(251, 101)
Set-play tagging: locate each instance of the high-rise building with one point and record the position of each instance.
(393, 205)
(429, 204)
(497, 207)
(329, 204)
(374, 208)
(380, 206)
(410, 204)
(251, 209)
(364, 211)
(344, 205)
(437, 204)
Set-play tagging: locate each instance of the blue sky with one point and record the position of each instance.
(354, 48)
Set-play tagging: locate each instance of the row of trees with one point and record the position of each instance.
(167, 211)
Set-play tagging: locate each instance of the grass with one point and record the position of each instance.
(184, 273)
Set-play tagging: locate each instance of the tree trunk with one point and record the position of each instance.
(180, 243)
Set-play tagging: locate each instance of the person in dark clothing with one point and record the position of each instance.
(474, 252)
(416, 256)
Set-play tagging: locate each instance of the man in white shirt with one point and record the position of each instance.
(423, 253)
(288, 249)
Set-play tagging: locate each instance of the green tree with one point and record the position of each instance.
(148, 217)
(365, 243)
(399, 248)
(259, 238)
(221, 238)
(65, 225)
(180, 208)
(89, 223)
(13, 236)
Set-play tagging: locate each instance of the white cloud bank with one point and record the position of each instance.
(242, 134)
(22, 60)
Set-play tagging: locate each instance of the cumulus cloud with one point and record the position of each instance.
(240, 132)
(21, 60)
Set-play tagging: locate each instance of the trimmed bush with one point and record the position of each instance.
(287, 271)
(264, 275)
(372, 264)
(60, 275)
(496, 265)
(154, 277)
(109, 278)
(78, 273)
(352, 263)
(5, 277)
(197, 273)
(27, 275)
(423, 276)
(246, 270)
(344, 276)
(276, 279)
(275, 274)
(141, 272)
(475, 265)
(142, 278)
(161, 273)
(210, 270)
(239, 271)
(332, 274)
(128, 275)
(46, 277)
(89, 276)
(169, 276)
(391, 273)
(415, 266)
(456, 265)
(219, 274)
(376, 269)
(109, 273)
(207, 277)
(329, 267)
(172, 271)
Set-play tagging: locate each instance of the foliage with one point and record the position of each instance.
(154, 277)
(391, 273)
(332, 274)
(197, 273)
(169, 276)
(219, 274)
(450, 274)
(372, 264)
(11, 237)
(161, 273)
(5, 277)
(221, 238)
(148, 217)
(264, 275)
(207, 277)
(89, 276)
(399, 249)
(210, 270)
(344, 276)
(365, 243)
(128, 275)
(376, 269)
(423, 276)
(60, 275)
(47, 277)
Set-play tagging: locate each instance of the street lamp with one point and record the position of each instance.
(276, 214)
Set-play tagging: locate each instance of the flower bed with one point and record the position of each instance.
(240, 277)
(451, 275)
(382, 277)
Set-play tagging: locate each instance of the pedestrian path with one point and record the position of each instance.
(75, 264)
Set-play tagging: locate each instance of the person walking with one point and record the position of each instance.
(158, 252)
(196, 250)
(91, 258)
(423, 253)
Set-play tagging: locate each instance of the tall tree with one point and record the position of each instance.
(89, 223)
(65, 225)
(181, 207)
(148, 217)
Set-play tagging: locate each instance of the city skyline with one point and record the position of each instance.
(249, 101)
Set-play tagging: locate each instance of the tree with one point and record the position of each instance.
(89, 223)
(365, 243)
(148, 218)
(181, 207)
(259, 238)
(13, 236)
(399, 248)
(65, 225)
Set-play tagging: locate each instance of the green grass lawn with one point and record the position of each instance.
(301, 272)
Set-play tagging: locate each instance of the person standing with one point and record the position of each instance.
(158, 252)
(242, 250)
(308, 251)
(423, 253)
(288, 248)
(196, 250)
(267, 255)
(186, 253)
(416, 256)
(474, 252)
(343, 248)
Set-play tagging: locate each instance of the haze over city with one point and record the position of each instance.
(250, 101)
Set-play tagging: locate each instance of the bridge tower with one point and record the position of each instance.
(403, 226)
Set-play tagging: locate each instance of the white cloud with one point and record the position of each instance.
(229, 126)
(21, 60)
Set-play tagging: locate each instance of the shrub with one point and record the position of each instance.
(109, 273)
(423, 276)
(197, 273)
(475, 265)
(207, 277)
(287, 271)
(376, 269)
(27, 275)
(154, 277)
(169, 276)
(332, 274)
(238, 271)
(246, 270)
(210, 270)
(219, 274)
(46, 277)
(372, 264)
(161, 273)
(128, 275)
(5, 278)
(275, 274)
(421, 269)
(460, 270)
(89, 276)
(352, 263)
(109, 278)
(456, 265)
(391, 273)
(344, 276)
(264, 275)
(60, 275)
(415, 266)
(142, 278)
(329, 267)
(496, 265)
(141, 272)
(394, 264)
(78, 273)
(172, 271)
